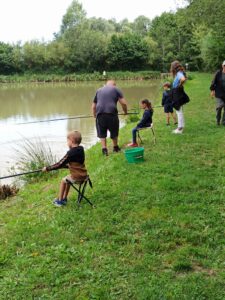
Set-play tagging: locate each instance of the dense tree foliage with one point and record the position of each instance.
(127, 52)
(7, 65)
(194, 34)
(208, 27)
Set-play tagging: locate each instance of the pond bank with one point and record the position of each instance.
(96, 76)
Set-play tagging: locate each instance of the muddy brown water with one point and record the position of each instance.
(32, 102)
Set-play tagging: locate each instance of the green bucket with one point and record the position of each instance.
(134, 155)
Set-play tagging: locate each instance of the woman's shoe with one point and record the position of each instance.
(178, 131)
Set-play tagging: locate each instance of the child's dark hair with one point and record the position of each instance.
(167, 84)
(148, 104)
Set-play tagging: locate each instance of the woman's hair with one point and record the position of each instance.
(176, 67)
(75, 137)
(148, 103)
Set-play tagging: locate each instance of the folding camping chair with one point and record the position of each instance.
(144, 128)
(81, 189)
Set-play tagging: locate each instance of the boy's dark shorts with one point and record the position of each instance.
(106, 122)
(168, 109)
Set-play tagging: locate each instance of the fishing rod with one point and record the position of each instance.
(70, 118)
(21, 174)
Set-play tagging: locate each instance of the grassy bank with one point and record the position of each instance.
(96, 76)
(157, 231)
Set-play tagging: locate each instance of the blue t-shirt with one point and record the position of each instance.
(177, 79)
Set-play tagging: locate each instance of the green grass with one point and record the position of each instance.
(157, 231)
(96, 76)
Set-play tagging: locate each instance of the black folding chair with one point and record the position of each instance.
(144, 128)
(81, 189)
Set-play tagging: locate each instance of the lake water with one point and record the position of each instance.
(32, 102)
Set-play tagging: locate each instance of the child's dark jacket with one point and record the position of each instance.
(166, 99)
(146, 120)
(74, 161)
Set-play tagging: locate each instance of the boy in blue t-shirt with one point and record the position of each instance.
(167, 104)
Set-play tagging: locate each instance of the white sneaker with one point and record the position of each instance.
(178, 131)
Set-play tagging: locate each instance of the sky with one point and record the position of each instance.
(25, 20)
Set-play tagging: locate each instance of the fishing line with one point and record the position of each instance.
(70, 118)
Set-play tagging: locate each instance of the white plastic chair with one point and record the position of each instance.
(146, 128)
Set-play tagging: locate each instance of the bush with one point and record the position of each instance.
(32, 156)
(96, 76)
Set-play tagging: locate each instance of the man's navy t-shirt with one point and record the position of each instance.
(106, 99)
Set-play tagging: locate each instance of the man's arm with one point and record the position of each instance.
(213, 93)
(123, 103)
(213, 85)
(94, 109)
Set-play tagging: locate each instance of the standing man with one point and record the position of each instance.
(105, 111)
(218, 91)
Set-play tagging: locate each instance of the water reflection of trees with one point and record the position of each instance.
(86, 127)
(49, 100)
(41, 102)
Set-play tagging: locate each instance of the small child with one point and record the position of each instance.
(167, 103)
(146, 121)
(74, 160)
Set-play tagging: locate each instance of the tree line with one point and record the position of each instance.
(194, 35)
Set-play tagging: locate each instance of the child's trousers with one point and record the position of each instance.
(180, 117)
(134, 135)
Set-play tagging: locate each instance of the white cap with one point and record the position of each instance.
(223, 64)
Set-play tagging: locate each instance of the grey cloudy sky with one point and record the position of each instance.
(24, 20)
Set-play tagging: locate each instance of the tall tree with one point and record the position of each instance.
(101, 25)
(74, 16)
(207, 16)
(164, 32)
(87, 50)
(6, 59)
(34, 56)
(141, 25)
(127, 52)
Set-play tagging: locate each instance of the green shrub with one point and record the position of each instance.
(96, 76)
(31, 156)
(133, 118)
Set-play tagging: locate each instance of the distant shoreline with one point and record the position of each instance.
(96, 76)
